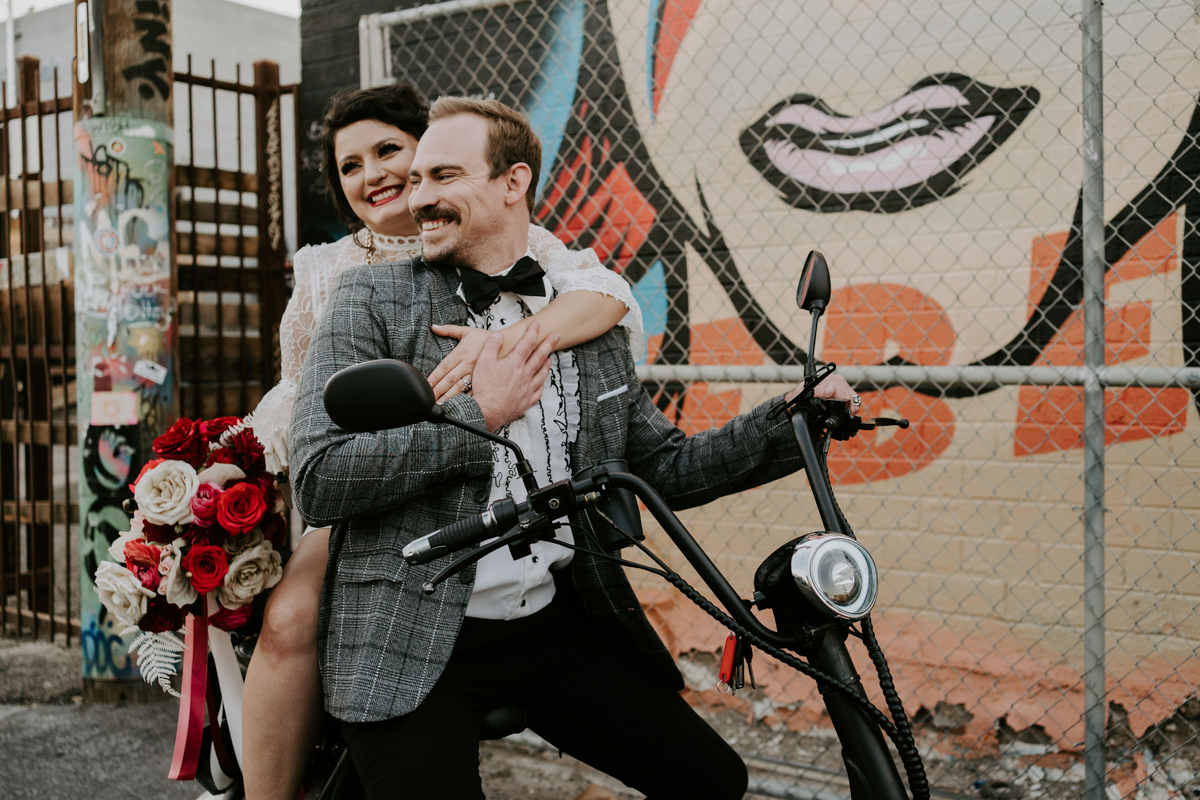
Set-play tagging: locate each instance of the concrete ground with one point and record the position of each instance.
(53, 747)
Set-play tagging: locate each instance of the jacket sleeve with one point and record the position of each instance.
(748, 451)
(337, 474)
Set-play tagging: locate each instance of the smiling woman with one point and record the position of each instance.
(372, 160)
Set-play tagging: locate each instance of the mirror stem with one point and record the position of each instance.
(810, 365)
(466, 426)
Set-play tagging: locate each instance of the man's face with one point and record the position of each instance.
(916, 143)
(458, 207)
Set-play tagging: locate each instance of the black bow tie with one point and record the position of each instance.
(481, 290)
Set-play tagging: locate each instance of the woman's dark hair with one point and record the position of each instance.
(397, 104)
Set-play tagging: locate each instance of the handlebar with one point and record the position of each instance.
(499, 517)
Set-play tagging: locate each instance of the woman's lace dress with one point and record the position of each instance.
(316, 268)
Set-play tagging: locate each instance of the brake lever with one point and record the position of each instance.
(470, 557)
(525, 532)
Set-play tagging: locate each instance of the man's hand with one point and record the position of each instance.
(834, 387)
(505, 388)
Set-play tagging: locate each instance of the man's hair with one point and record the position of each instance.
(510, 139)
(397, 104)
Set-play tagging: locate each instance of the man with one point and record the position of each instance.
(562, 632)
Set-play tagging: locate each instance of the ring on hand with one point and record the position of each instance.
(856, 400)
(466, 383)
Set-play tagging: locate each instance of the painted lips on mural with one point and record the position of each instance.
(908, 153)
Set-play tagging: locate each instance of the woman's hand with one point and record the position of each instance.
(447, 379)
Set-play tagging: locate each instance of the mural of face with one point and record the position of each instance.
(920, 144)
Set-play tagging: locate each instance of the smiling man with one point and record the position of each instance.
(557, 630)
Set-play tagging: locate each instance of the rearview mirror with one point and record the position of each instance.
(379, 395)
(814, 289)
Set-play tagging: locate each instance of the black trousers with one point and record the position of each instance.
(586, 693)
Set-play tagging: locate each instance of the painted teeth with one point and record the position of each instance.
(386, 194)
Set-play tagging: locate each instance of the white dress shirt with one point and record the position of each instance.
(506, 588)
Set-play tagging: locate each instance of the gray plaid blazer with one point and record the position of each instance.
(383, 643)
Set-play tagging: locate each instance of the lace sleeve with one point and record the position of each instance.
(270, 419)
(581, 271)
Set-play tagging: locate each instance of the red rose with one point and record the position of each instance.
(249, 451)
(223, 456)
(199, 534)
(229, 619)
(241, 507)
(186, 440)
(205, 565)
(274, 529)
(161, 616)
(151, 464)
(161, 534)
(218, 426)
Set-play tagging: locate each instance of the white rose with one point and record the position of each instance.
(164, 494)
(220, 474)
(179, 589)
(122, 594)
(275, 449)
(117, 548)
(252, 572)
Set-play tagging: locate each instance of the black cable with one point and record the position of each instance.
(706, 605)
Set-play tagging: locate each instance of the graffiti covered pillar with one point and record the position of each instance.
(126, 330)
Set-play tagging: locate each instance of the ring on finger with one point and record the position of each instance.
(466, 383)
(856, 400)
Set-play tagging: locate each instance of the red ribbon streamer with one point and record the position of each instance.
(190, 729)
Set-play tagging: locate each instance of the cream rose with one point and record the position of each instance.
(122, 594)
(179, 589)
(117, 548)
(164, 494)
(236, 545)
(221, 474)
(251, 572)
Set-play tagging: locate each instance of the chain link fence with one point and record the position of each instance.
(975, 180)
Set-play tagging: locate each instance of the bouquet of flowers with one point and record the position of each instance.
(208, 525)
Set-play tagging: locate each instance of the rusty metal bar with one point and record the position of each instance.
(9, 532)
(65, 330)
(243, 368)
(220, 297)
(197, 399)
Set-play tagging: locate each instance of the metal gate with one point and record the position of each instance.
(231, 252)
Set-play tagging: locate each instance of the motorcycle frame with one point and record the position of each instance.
(869, 766)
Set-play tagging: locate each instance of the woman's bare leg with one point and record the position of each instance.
(282, 707)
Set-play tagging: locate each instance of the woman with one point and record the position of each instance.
(368, 143)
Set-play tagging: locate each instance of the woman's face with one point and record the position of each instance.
(372, 161)
(918, 143)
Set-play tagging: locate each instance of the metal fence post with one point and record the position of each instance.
(271, 244)
(1093, 400)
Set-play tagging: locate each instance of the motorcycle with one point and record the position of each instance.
(819, 587)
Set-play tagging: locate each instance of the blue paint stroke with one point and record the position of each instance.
(553, 96)
(651, 294)
(651, 42)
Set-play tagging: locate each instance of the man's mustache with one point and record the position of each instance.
(431, 213)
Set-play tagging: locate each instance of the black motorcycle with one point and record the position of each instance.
(820, 587)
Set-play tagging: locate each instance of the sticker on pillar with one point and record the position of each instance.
(151, 371)
(114, 408)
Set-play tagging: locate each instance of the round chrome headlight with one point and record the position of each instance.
(836, 574)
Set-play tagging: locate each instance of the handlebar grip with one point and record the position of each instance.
(456, 536)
